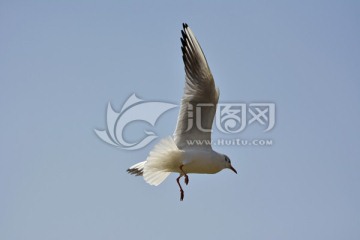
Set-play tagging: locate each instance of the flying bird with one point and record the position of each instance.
(189, 149)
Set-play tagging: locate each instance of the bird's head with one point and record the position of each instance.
(228, 164)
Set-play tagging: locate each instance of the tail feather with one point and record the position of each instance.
(155, 178)
(162, 160)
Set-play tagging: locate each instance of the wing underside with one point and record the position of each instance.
(198, 104)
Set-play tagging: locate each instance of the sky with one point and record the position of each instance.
(62, 62)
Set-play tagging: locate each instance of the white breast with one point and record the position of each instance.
(203, 161)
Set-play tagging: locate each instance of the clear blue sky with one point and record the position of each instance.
(61, 62)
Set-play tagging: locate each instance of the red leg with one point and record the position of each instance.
(186, 176)
(181, 190)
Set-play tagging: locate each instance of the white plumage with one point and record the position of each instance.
(176, 154)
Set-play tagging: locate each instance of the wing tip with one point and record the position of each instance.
(184, 40)
(137, 169)
(134, 171)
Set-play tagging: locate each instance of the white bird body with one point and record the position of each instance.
(175, 154)
(202, 161)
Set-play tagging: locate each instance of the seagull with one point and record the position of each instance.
(189, 149)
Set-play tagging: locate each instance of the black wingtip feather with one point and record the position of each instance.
(185, 25)
(135, 171)
(183, 34)
(182, 41)
(184, 59)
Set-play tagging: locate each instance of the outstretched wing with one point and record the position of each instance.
(198, 104)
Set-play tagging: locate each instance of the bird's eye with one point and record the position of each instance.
(227, 159)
